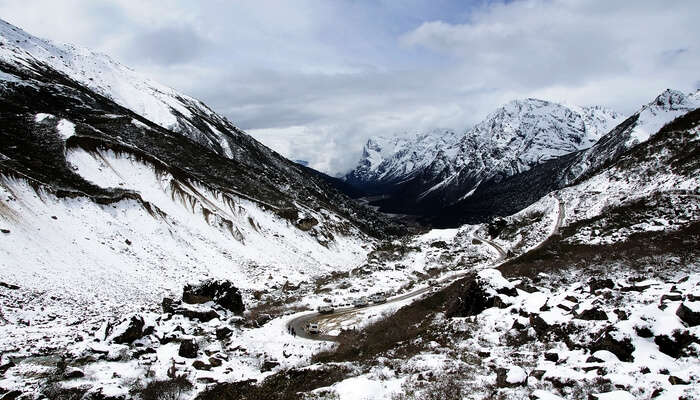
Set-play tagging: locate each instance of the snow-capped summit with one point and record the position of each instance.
(637, 129)
(390, 159)
(444, 167)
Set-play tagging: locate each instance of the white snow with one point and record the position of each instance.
(65, 128)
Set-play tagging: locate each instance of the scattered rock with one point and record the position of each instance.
(674, 380)
(201, 365)
(305, 224)
(5, 367)
(129, 331)
(623, 348)
(634, 288)
(593, 359)
(597, 284)
(689, 315)
(643, 332)
(564, 307)
(268, 365)
(440, 244)
(5, 230)
(223, 332)
(672, 297)
(592, 314)
(538, 374)
(168, 305)
(200, 315)
(551, 356)
(221, 292)
(188, 349)
(73, 373)
(676, 346)
(11, 395)
(540, 326)
(510, 377)
(621, 315)
(215, 362)
(571, 299)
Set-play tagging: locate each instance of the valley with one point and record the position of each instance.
(151, 249)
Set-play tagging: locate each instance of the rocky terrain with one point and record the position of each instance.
(149, 249)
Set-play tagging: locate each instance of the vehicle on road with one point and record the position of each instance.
(377, 299)
(326, 309)
(361, 302)
(313, 329)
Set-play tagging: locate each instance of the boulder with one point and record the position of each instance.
(168, 305)
(511, 377)
(621, 347)
(129, 331)
(598, 284)
(221, 292)
(674, 380)
(592, 314)
(551, 356)
(677, 345)
(482, 292)
(268, 365)
(201, 365)
(188, 349)
(223, 332)
(200, 315)
(73, 373)
(215, 362)
(689, 313)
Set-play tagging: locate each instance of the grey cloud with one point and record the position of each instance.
(167, 45)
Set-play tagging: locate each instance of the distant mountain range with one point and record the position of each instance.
(520, 152)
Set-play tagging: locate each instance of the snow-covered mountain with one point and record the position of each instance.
(635, 130)
(439, 168)
(115, 191)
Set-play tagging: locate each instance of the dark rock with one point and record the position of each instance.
(674, 380)
(215, 362)
(501, 379)
(73, 374)
(305, 224)
(683, 279)
(11, 395)
(645, 370)
(507, 291)
(656, 393)
(5, 230)
(591, 368)
(268, 365)
(440, 244)
(517, 325)
(128, 242)
(592, 314)
(133, 332)
(201, 365)
(672, 297)
(687, 315)
(9, 286)
(483, 354)
(221, 292)
(200, 315)
(621, 314)
(188, 349)
(472, 300)
(545, 308)
(597, 284)
(571, 299)
(677, 345)
(5, 367)
(551, 356)
(563, 307)
(621, 348)
(527, 288)
(634, 288)
(223, 332)
(643, 332)
(538, 374)
(540, 326)
(168, 305)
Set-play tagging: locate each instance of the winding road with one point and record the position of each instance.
(299, 323)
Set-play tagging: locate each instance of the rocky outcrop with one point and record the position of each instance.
(221, 292)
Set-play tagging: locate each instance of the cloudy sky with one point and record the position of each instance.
(313, 79)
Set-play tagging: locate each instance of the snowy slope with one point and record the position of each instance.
(157, 103)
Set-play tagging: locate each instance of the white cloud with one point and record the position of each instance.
(314, 79)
